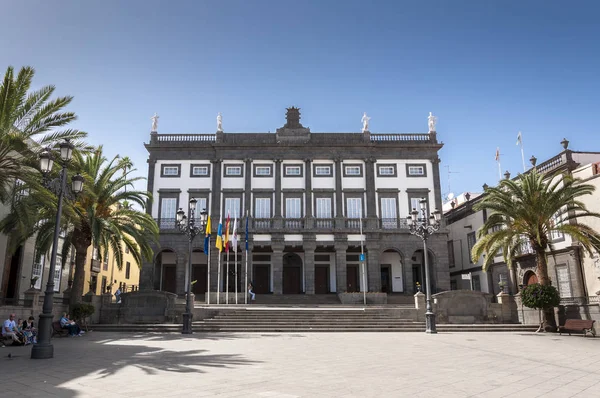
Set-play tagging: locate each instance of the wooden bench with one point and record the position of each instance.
(58, 330)
(578, 325)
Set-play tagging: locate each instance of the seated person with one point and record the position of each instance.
(70, 325)
(10, 330)
(29, 331)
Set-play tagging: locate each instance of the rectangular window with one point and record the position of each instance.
(262, 171)
(453, 285)
(322, 170)
(232, 207)
(293, 170)
(386, 171)
(57, 273)
(503, 283)
(262, 207)
(105, 262)
(199, 171)
(168, 210)
(471, 240)
(293, 208)
(352, 171)
(170, 171)
(127, 269)
(95, 254)
(353, 207)
(415, 204)
(389, 214)
(200, 206)
(564, 285)
(416, 170)
(451, 262)
(476, 283)
(555, 221)
(233, 170)
(36, 272)
(323, 208)
(126, 250)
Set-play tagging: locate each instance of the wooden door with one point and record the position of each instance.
(352, 279)
(292, 282)
(199, 274)
(321, 280)
(262, 279)
(169, 279)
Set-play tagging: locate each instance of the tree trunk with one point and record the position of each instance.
(79, 277)
(548, 322)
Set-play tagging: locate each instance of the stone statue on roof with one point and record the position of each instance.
(432, 121)
(219, 122)
(365, 121)
(154, 122)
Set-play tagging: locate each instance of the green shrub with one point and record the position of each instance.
(82, 311)
(540, 297)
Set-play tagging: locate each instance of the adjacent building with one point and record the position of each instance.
(308, 197)
(571, 270)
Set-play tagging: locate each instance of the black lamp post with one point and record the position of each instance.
(44, 349)
(187, 225)
(423, 227)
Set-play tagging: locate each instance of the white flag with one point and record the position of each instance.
(519, 139)
(235, 236)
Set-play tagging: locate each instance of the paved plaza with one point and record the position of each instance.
(102, 364)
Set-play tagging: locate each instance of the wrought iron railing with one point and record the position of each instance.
(166, 224)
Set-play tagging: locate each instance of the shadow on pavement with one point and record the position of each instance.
(98, 355)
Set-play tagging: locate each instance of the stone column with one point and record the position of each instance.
(277, 188)
(308, 187)
(214, 269)
(340, 266)
(216, 193)
(373, 268)
(409, 287)
(338, 189)
(309, 245)
(247, 188)
(180, 271)
(437, 189)
(370, 186)
(277, 263)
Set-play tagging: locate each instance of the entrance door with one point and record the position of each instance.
(321, 280)
(352, 279)
(416, 271)
(531, 279)
(261, 279)
(292, 281)
(199, 274)
(385, 279)
(169, 279)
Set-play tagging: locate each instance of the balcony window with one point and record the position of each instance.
(232, 207)
(471, 240)
(168, 210)
(37, 270)
(389, 214)
(57, 273)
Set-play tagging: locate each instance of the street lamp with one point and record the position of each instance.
(44, 349)
(187, 225)
(423, 228)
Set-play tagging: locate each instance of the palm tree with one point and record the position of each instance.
(27, 124)
(528, 210)
(95, 217)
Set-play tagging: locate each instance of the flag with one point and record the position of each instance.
(219, 235)
(519, 139)
(207, 236)
(497, 154)
(235, 237)
(226, 236)
(246, 232)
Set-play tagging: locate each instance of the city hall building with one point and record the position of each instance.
(306, 195)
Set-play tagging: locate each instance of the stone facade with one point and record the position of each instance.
(314, 248)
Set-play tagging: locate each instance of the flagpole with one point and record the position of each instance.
(208, 278)
(219, 278)
(236, 277)
(520, 142)
(362, 257)
(227, 279)
(246, 270)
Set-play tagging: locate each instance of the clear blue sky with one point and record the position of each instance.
(486, 69)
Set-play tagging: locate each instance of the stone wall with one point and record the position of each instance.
(146, 306)
(358, 298)
(468, 306)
